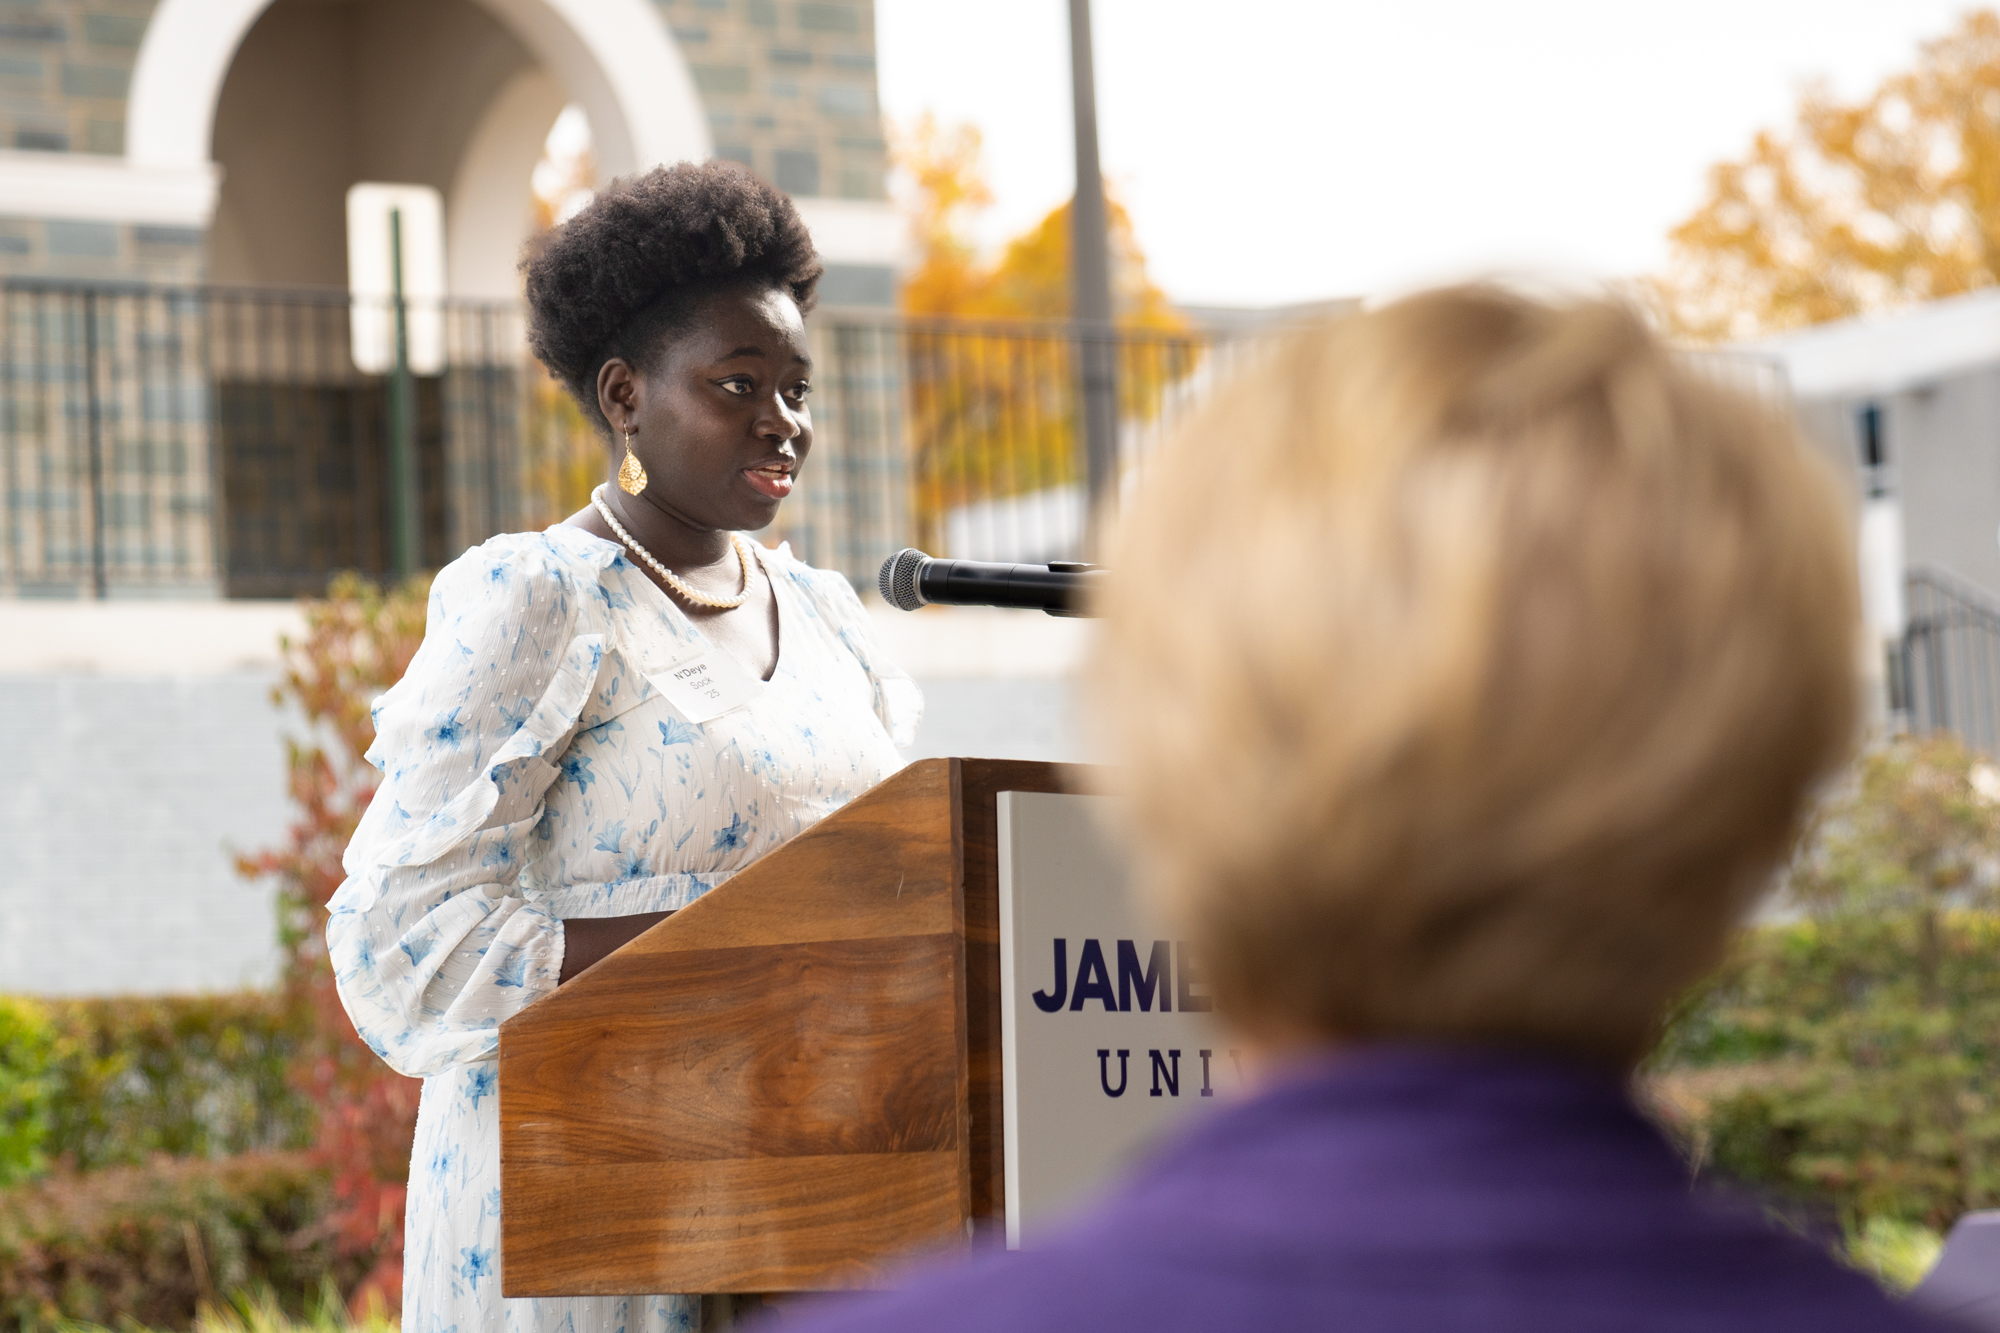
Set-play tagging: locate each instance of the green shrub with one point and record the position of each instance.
(96, 1083)
(190, 1076)
(259, 1311)
(1847, 1064)
(27, 1043)
(151, 1243)
(1896, 1254)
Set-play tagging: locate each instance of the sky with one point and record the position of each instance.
(1274, 151)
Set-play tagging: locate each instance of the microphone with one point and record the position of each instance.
(911, 579)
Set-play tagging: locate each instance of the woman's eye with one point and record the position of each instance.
(741, 388)
(800, 392)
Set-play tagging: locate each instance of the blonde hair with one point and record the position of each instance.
(1468, 664)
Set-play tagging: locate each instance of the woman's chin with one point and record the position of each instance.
(754, 517)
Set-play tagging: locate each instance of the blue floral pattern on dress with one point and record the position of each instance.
(531, 773)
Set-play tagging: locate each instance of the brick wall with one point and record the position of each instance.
(65, 68)
(790, 89)
(789, 84)
(76, 248)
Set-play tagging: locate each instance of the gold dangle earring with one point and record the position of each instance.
(631, 476)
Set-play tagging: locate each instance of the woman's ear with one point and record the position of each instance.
(617, 393)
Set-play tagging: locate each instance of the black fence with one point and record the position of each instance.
(164, 441)
(1945, 675)
(189, 441)
(966, 439)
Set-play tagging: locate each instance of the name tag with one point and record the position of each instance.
(706, 685)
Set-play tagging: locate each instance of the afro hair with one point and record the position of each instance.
(617, 277)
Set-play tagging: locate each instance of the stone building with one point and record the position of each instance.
(187, 440)
(185, 437)
(187, 412)
(190, 140)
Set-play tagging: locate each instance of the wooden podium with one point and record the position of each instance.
(788, 1085)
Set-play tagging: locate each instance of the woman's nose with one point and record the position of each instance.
(780, 422)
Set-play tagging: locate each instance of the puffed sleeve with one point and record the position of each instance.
(898, 702)
(431, 941)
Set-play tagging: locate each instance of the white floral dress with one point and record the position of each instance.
(531, 773)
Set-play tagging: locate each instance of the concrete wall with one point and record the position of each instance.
(490, 207)
(126, 801)
(148, 753)
(1944, 448)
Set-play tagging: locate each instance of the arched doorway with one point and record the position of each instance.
(615, 57)
(294, 101)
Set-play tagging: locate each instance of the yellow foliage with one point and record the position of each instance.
(993, 394)
(564, 457)
(1030, 280)
(1895, 1253)
(1888, 201)
(944, 167)
(563, 181)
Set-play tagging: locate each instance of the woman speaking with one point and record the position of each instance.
(609, 718)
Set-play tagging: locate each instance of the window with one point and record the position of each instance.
(1873, 448)
(798, 172)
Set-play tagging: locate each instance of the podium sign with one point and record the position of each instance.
(1107, 1041)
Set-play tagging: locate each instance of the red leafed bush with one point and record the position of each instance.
(358, 643)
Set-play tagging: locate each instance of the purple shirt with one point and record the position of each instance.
(1403, 1188)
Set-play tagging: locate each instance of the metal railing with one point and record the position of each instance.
(193, 441)
(163, 441)
(1945, 674)
(966, 439)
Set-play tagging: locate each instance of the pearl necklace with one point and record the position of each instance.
(688, 592)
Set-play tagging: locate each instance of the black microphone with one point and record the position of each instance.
(911, 579)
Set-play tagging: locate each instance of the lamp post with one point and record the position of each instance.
(403, 538)
(1090, 277)
(396, 330)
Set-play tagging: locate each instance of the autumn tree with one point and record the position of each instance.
(1031, 277)
(948, 190)
(1879, 203)
(994, 404)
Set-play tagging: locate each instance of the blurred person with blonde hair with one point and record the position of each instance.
(1469, 665)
